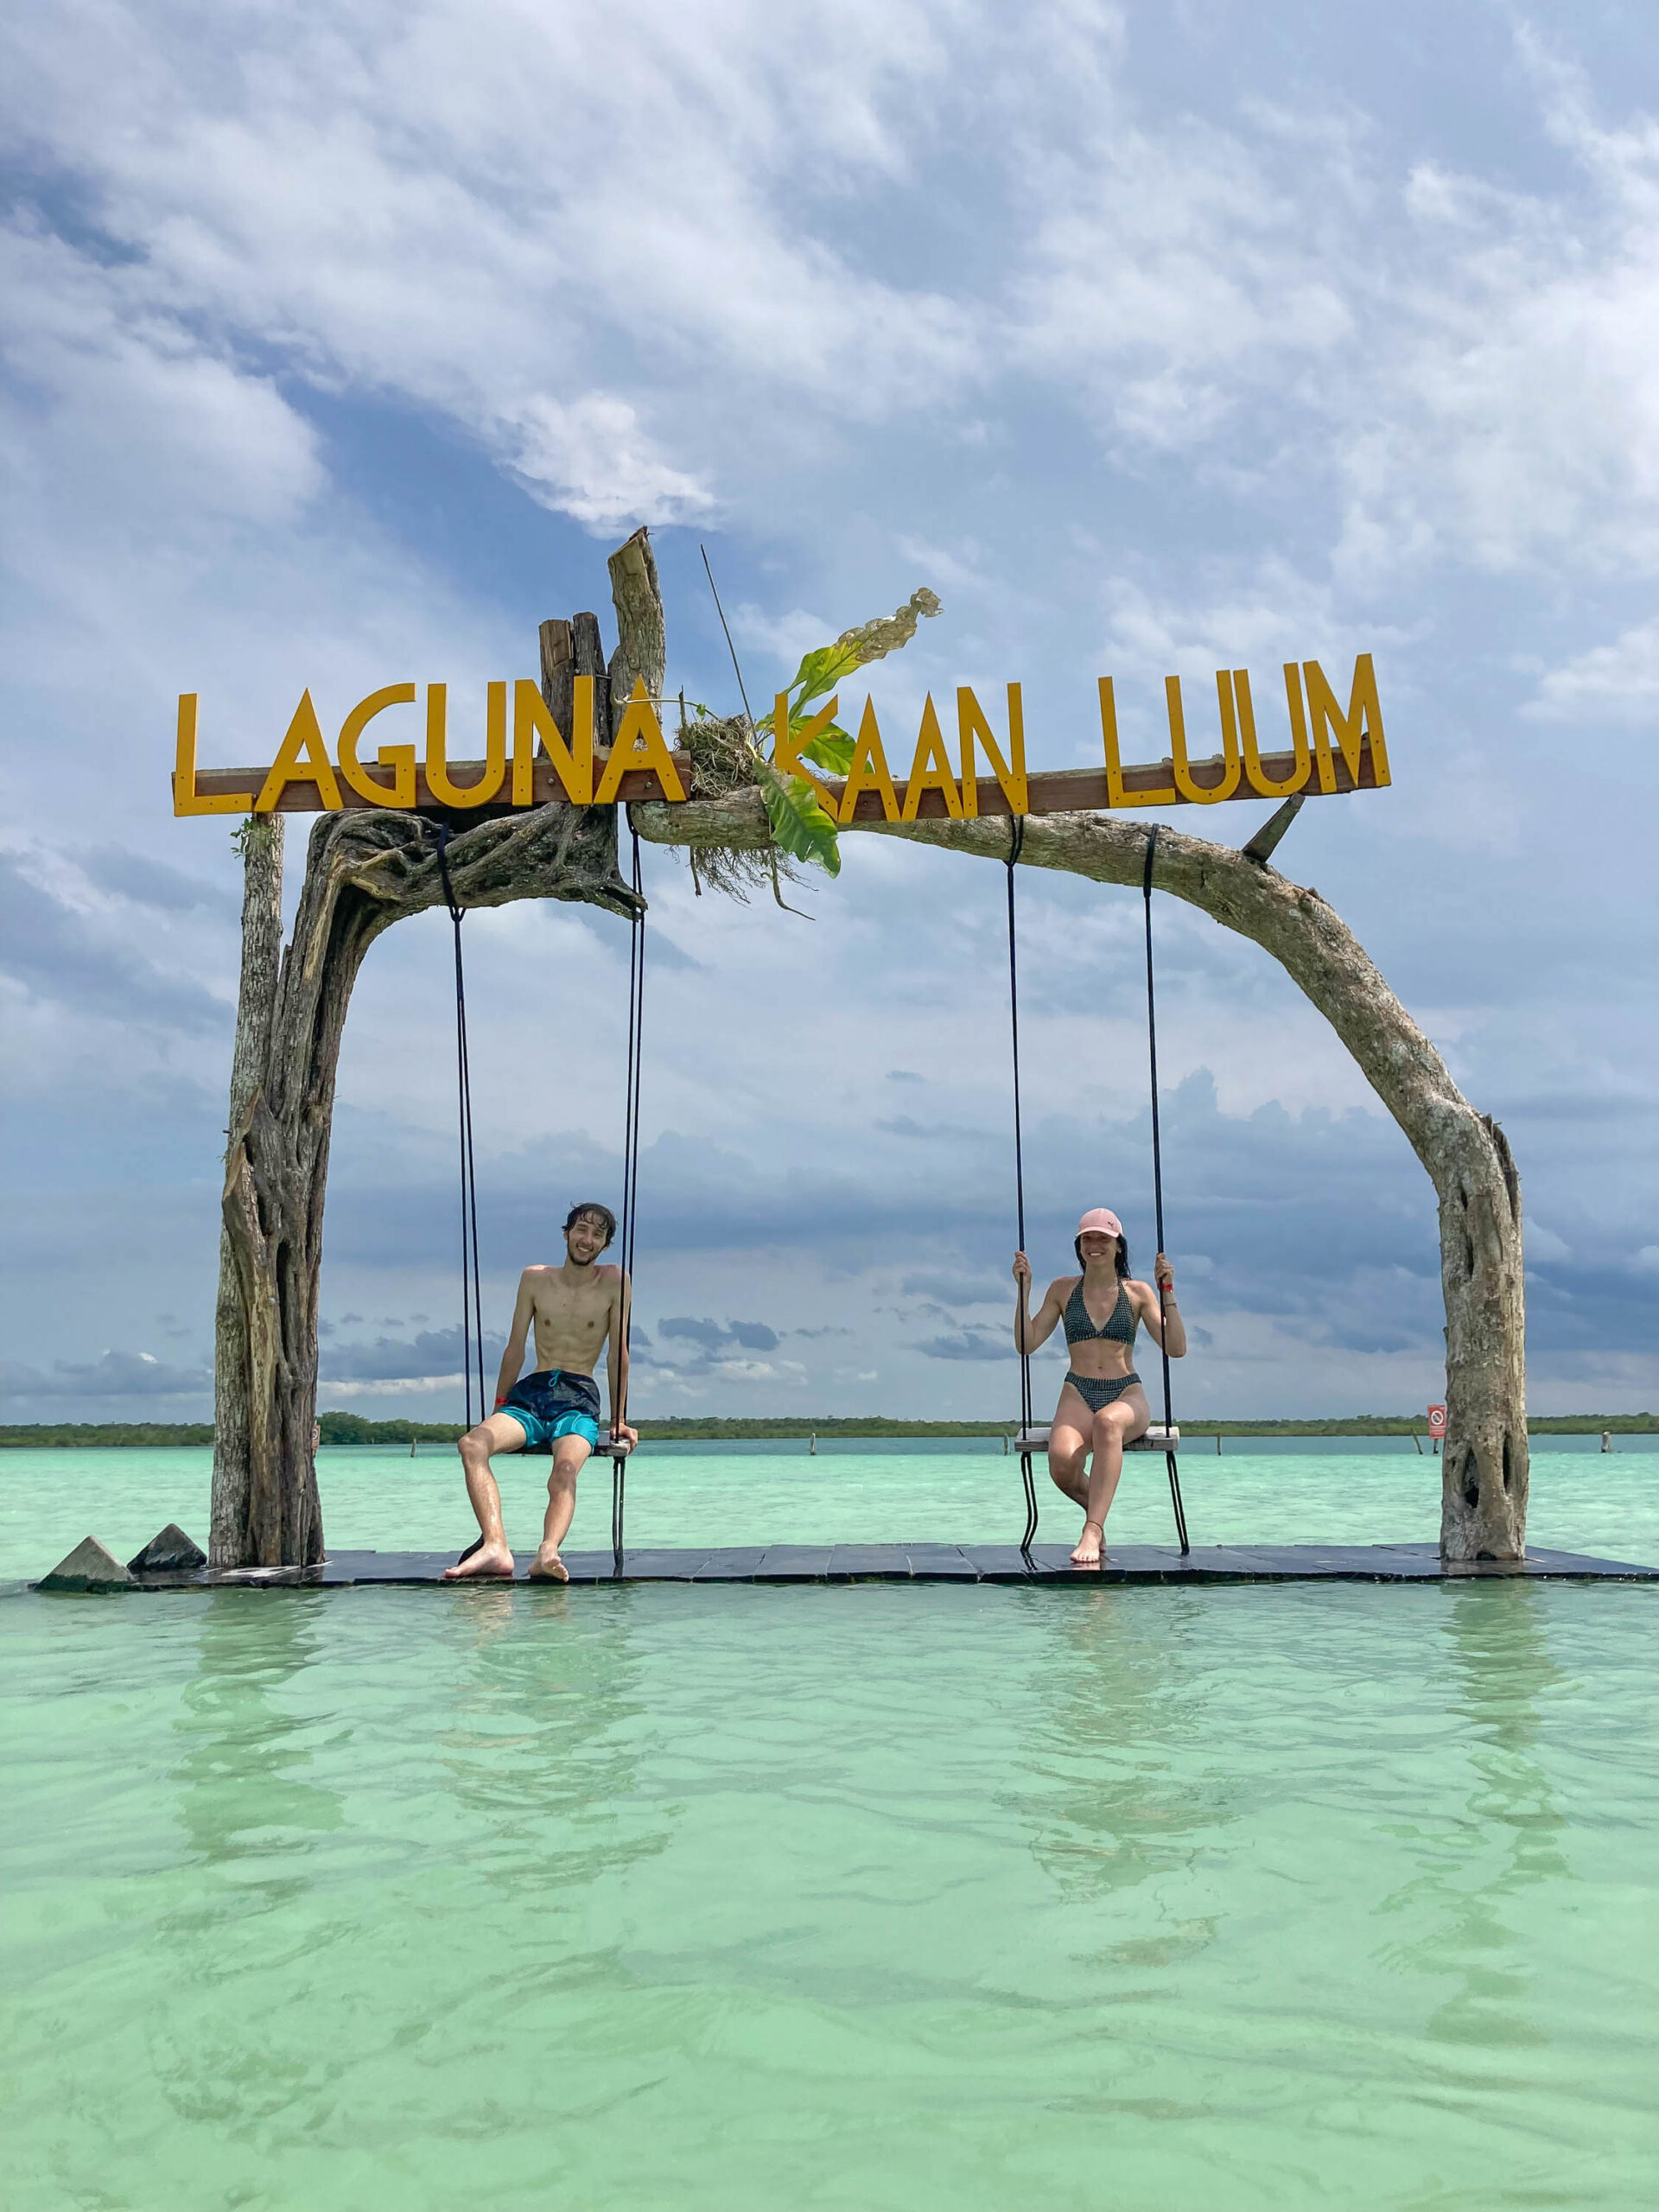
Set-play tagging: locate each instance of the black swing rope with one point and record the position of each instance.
(629, 1167)
(472, 1295)
(1016, 843)
(1158, 1187)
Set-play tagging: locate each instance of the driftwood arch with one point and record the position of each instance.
(365, 871)
(1484, 1468)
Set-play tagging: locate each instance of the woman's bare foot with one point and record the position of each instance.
(547, 1566)
(487, 1562)
(1089, 1545)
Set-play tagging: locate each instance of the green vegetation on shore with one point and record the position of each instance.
(37, 1434)
(353, 1429)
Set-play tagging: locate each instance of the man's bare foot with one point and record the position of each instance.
(1089, 1545)
(547, 1566)
(487, 1563)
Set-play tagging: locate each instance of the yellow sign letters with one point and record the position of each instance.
(1329, 748)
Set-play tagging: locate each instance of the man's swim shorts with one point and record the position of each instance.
(552, 1404)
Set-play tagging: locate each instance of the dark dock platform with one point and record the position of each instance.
(1046, 1564)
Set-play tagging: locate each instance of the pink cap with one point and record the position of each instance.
(1101, 1218)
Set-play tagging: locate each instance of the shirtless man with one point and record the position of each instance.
(578, 1309)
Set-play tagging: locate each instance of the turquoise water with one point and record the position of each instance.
(378, 1498)
(864, 1897)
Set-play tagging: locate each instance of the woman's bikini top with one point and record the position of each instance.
(1122, 1323)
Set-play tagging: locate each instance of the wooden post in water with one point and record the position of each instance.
(260, 839)
(365, 868)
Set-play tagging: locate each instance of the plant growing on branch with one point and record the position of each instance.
(800, 827)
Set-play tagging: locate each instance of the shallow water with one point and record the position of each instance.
(860, 1896)
(376, 1498)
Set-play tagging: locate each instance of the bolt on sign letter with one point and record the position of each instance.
(529, 760)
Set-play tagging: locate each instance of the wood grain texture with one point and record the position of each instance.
(641, 632)
(558, 672)
(255, 1006)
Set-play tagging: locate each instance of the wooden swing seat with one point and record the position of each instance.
(1156, 1439)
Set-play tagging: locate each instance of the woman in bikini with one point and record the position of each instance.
(1103, 1406)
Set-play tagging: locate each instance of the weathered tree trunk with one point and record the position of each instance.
(1485, 1469)
(365, 870)
(262, 944)
(642, 637)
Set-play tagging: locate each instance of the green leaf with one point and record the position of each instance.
(821, 670)
(830, 750)
(800, 825)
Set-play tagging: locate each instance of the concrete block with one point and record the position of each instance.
(89, 1566)
(169, 1552)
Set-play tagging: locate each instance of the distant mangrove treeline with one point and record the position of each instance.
(353, 1429)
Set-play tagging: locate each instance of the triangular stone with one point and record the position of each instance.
(169, 1552)
(89, 1566)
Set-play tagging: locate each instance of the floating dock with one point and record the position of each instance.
(1045, 1564)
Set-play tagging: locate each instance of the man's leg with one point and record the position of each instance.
(570, 1455)
(500, 1432)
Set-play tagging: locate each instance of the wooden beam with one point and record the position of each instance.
(1055, 790)
(1083, 791)
(304, 798)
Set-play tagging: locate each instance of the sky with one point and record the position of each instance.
(344, 341)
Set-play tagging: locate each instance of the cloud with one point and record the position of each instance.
(121, 1374)
(516, 299)
(967, 1344)
(1608, 683)
(593, 459)
(433, 1353)
(711, 1335)
(951, 1289)
(147, 882)
(59, 954)
(396, 1386)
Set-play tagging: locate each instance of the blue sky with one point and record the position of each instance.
(343, 343)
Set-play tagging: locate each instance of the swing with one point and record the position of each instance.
(1033, 1437)
(472, 1300)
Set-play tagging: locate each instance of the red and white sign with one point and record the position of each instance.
(1437, 1421)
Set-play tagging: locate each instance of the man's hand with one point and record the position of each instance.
(621, 1434)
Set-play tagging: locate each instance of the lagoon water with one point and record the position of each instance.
(860, 1896)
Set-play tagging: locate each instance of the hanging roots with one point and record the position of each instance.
(723, 757)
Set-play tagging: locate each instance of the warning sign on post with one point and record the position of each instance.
(1437, 1422)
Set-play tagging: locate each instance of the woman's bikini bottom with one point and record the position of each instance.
(1097, 1392)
